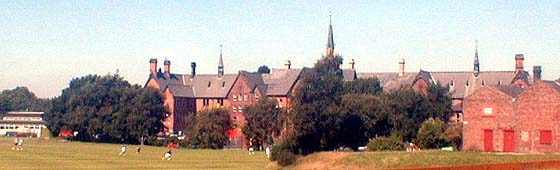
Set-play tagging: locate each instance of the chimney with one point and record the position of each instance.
(288, 64)
(536, 73)
(193, 69)
(519, 62)
(153, 66)
(166, 65)
(401, 68)
(352, 64)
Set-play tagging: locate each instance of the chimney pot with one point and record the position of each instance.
(153, 66)
(193, 69)
(536, 73)
(288, 64)
(166, 66)
(401, 68)
(519, 62)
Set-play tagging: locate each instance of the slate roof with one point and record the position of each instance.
(281, 81)
(390, 81)
(254, 81)
(458, 80)
(555, 84)
(510, 90)
(199, 86)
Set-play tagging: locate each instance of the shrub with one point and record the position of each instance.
(285, 158)
(431, 134)
(385, 143)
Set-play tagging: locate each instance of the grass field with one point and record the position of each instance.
(54, 154)
(430, 158)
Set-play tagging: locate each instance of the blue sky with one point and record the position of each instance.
(44, 44)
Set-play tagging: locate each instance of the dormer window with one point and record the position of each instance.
(224, 84)
(467, 83)
(209, 84)
(452, 83)
(483, 83)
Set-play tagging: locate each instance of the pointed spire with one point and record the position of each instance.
(330, 40)
(476, 69)
(220, 64)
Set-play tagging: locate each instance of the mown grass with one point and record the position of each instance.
(431, 158)
(54, 154)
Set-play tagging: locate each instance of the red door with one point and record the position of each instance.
(509, 142)
(488, 141)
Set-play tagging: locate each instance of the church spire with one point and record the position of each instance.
(220, 64)
(330, 40)
(476, 69)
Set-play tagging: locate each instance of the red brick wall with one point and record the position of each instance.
(538, 109)
(534, 110)
(240, 97)
(475, 121)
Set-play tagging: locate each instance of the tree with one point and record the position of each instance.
(439, 105)
(363, 86)
(431, 134)
(263, 121)
(406, 110)
(209, 130)
(263, 69)
(21, 99)
(316, 107)
(106, 109)
(359, 115)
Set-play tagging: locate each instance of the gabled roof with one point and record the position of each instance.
(555, 84)
(200, 86)
(390, 81)
(254, 81)
(181, 91)
(210, 85)
(458, 80)
(510, 90)
(281, 81)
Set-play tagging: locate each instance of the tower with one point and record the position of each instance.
(476, 69)
(220, 64)
(330, 41)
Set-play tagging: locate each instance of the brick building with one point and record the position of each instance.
(513, 118)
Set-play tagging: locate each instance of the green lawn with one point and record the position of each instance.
(429, 158)
(54, 154)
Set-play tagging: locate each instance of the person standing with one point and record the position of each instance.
(20, 144)
(267, 152)
(123, 151)
(16, 140)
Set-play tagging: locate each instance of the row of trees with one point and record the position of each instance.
(329, 113)
(106, 109)
(21, 99)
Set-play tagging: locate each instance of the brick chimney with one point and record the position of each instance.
(153, 66)
(193, 69)
(166, 65)
(288, 64)
(536, 73)
(401, 68)
(352, 63)
(519, 62)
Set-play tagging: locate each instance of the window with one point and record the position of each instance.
(224, 84)
(234, 108)
(546, 137)
(220, 102)
(205, 102)
(209, 84)
(245, 97)
(256, 97)
(240, 109)
(487, 111)
(234, 97)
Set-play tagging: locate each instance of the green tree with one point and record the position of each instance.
(263, 69)
(406, 110)
(263, 121)
(106, 109)
(359, 115)
(363, 86)
(431, 134)
(209, 130)
(21, 99)
(316, 107)
(439, 105)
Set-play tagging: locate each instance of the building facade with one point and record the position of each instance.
(22, 123)
(513, 118)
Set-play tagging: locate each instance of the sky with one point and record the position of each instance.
(44, 44)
